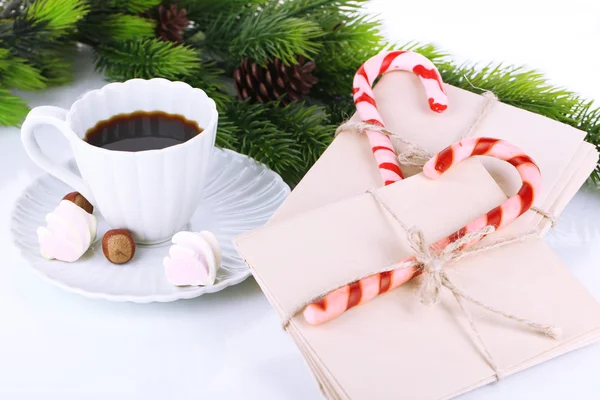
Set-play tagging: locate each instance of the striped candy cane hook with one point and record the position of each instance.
(382, 147)
(512, 208)
(353, 294)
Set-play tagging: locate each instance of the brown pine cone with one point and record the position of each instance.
(171, 23)
(275, 81)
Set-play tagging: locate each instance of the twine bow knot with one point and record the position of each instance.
(431, 261)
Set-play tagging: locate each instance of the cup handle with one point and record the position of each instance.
(55, 117)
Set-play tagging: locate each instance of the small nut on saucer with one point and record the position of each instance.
(78, 199)
(118, 246)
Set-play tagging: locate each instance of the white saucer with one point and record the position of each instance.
(241, 195)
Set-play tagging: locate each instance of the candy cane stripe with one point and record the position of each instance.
(387, 61)
(526, 194)
(354, 295)
(377, 148)
(483, 146)
(374, 122)
(432, 73)
(322, 304)
(526, 167)
(365, 98)
(367, 288)
(457, 235)
(366, 105)
(391, 167)
(494, 217)
(522, 159)
(361, 71)
(444, 160)
(437, 107)
(385, 281)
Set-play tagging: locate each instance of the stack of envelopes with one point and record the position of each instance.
(330, 230)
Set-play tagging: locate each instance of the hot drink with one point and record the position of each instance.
(141, 131)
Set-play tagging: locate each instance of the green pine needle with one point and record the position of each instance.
(341, 109)
(310, 127)
(17, 73)
(210, 79)
(35, 39)
(58, 15)
(262, 140)
(135, 6)
(431, 51)
(526, 89)
(57, 70)
(588, 120)
(263, 37)
(13, 109)
(203, 11)
(226, 133)
(146, 59)
(316, 8)
(218, 33)
(287, 139)
(124, 27)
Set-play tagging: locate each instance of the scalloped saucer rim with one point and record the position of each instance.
(266, 177)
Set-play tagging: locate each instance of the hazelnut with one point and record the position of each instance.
(118, 246)
(79, 200)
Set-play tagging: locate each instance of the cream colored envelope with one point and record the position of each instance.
(393, 346)
(347, 168)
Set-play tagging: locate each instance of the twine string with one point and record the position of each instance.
(432, 263)
(416, 156)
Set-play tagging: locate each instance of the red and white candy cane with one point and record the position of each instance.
(399, 60)
(353, 294)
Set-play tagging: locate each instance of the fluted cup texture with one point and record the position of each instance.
(151, 193)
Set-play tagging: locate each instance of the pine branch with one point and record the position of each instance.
(202, 11)
(31, 42)
(58, 15)
(57, 68)
(310, 126)
(146, 59)
(123, 27)
(262, 140)
(340, 109)
(287, 139)
(219, 33)
(36, 36)
(345, 48)
(13, 109)
(526, 89)
(316, 8)
(431, 51)
(210, 79)
(87, 29)
(588, 119)
(226, 133)
(265, 36)
(42, 29)
(17, 73)
(132, 6)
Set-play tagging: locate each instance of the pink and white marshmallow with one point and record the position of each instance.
(68, 233)
(193, 260)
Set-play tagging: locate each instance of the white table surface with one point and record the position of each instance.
(229, 345)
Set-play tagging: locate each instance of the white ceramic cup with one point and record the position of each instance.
(151, 193)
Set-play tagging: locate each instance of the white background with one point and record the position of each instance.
(56, 345)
